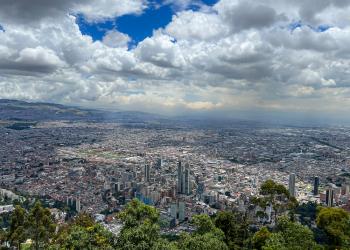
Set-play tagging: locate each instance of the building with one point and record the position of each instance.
(200, 188)
(330, 197)
(291, 186)
(181, 211)
(177, 211)
(147, 173)
(77, 205)
(184, 179)
(179, 177)
(187, 180)
(316, 185)
(173, 210)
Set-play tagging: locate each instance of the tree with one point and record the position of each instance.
(95, 237)
(291, 236)
(336, 224)
(277, 195)
(40, 225)
(204, 224)
(144, 236)
(276, 242)
(83, 233)
(207, 241)
(84, 220)
(141, 229)
(206, 237)
(234, 226)
(136, 212)
(307, 212)
(260, 238)
(270, 187)
(17, 230)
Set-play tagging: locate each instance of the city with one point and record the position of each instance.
(182, 170)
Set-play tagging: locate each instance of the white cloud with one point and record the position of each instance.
(114, 39)
(98, 10)
(161, 50)
(190, 25)
(31, 11)
(232, 56)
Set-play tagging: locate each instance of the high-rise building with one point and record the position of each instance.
(184, 179)
(329, 197)
(159, 163)
(291, 185)
(179, 177)
(147, 173)
(187, 180)
(116, 187)
(181, 211)
(200, 188)
(173, 210)
(77, 205)
(316, 185)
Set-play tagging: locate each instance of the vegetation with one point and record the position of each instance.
(290, 236)
(225, 231)
(336, 224)
(83, 233)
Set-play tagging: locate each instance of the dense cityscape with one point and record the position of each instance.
(182, 170)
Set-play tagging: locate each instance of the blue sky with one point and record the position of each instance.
(138, 27)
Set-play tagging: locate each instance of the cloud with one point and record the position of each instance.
(190, 25)
(247, 14)
(98, 10)
(30, 11)
(161, 50)
(236, 55)
(114, 39)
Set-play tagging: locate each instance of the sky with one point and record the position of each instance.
(221, 58)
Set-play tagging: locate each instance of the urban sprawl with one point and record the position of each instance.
(183, 170)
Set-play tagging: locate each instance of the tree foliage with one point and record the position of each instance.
(83, 233)
(336, 224)
(270, 187)
(235, 227)
(136, 213)
(17, 231)
(40, 225)
(206, 237)
(141, 229)
(260, 238)
(290, 236)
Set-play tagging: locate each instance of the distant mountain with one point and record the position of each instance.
(18, 111)
(38, 111)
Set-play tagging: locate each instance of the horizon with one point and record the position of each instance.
(284, 62)
(298, 120)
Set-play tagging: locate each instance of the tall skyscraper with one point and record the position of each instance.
(187, 183)
(147, 173)
(316, 185)
(179, 177)
(184, 179)
(292, 185)
(329, 197)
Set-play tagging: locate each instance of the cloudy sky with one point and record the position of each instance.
(179, 56)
